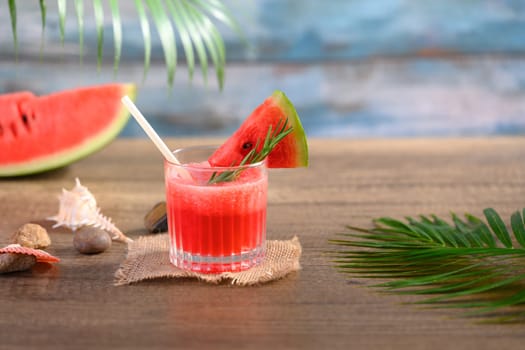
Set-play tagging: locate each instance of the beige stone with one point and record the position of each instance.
(32, 236)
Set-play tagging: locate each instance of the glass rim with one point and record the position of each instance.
(210, 147)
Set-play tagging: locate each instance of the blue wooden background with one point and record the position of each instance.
(381, 68)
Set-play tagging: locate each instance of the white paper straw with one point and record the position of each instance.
(168, 155)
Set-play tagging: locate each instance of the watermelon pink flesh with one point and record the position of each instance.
(10, 115)
(42, 133)
(291, 152)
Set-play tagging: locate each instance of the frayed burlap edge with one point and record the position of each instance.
(148, 259)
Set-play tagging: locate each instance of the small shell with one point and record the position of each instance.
(156, 220)
(31, 236)
(78, 208)
(40, 255)
(16, 262)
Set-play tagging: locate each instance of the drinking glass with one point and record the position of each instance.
(219, 226)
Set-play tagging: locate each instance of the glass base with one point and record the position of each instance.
(217, 264)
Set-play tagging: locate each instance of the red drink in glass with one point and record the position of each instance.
(217, 227)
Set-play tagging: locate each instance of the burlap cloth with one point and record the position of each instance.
(148, 258)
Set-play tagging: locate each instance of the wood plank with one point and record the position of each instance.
(74, 303)
(341, 30)
(463, 96)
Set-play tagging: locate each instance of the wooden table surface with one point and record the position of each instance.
(75, 305)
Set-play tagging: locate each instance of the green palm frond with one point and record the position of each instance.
(467, 264)
(117, 32)
(62, 18)
(190, 19)
(43, 10)
(12, 13)
(99, 23)
(146, 34)
(79, 8)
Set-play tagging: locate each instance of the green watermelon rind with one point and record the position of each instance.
(298, 131)
(70, 155)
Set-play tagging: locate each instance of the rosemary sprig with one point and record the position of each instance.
(273, 137)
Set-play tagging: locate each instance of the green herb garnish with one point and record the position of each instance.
(273, 137)
(467, 264)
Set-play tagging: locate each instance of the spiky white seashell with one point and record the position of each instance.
(78, 208)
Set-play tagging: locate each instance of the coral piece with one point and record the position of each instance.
(78, 208)
(10, 262)
(31, 236)
(40, 255)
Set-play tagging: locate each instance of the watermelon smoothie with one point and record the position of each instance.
(216, 227)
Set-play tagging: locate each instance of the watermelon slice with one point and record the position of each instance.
(291, 152)
(47, 132)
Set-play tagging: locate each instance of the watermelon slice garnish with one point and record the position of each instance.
(48, 132)
(290, 152)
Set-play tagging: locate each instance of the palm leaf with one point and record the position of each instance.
(79, 8)
(468, 264)
(220, 12)
(196, 38)
(62, 18)
(498, 226)
(12, 14)
(167, 36)
(146, 35)
(43, 10)
(177, 11)
(99, 23)
(43, 15)
(117, 32)
(191, 19)
(211, 38)
(516, 223)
